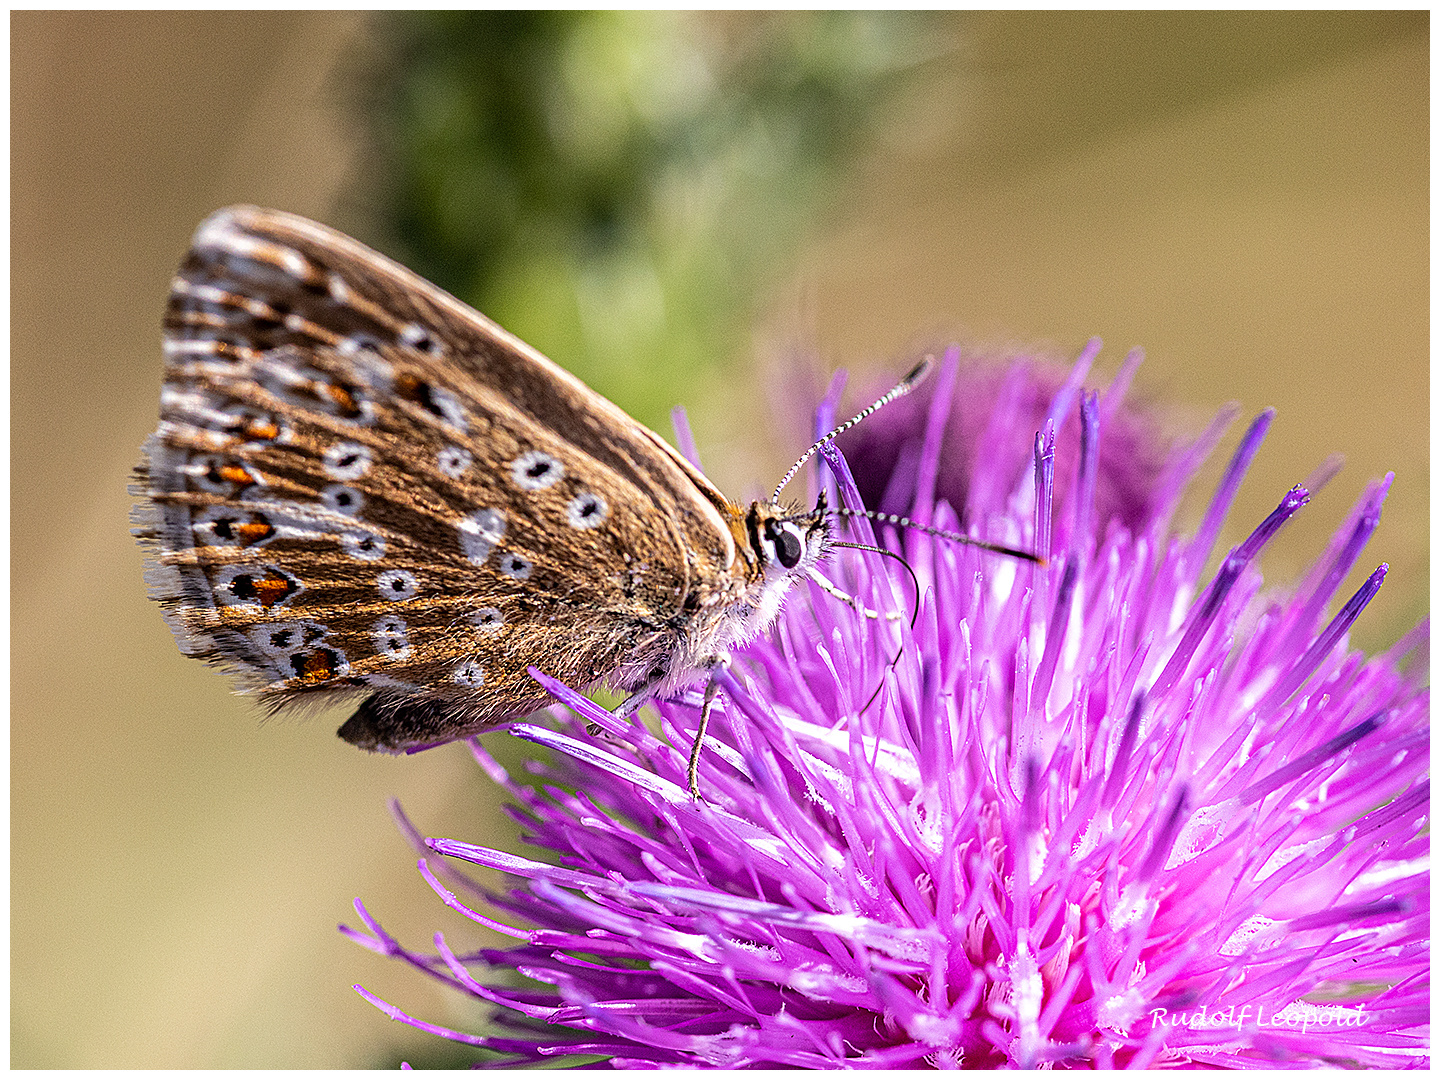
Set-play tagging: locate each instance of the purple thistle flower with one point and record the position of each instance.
(1105, 812)
(999, 400)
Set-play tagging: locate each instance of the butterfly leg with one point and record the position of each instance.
(692, 774)
(854, 602)
(635, 700)
(626, 707)
(712, 686)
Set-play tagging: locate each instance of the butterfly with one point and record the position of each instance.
(360, 486)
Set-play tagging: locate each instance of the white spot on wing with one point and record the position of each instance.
(488, 619)
(282, 639)
(452, 461)
(536, 470)
(514, 566)
(342, 499)
(586, 510)
(417, 337)
(470, 673)
(397, 584)
(347, 461)
(391, 640)
(353, 345)
(480, 532)
(449, 408)
(367, 547)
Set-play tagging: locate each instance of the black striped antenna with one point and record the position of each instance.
(944, 534)
(917, 373)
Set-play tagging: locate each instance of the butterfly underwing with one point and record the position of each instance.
(361, 486)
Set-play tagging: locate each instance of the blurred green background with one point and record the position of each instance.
(621, 188)
(698, 208)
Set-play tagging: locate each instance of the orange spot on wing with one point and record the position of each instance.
(314, 667)
(257, 430)
(252, 532)
(342, 397)
(271, 590)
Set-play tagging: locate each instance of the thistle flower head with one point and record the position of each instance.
(1116, 810)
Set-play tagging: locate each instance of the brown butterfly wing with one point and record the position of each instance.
(361, 484)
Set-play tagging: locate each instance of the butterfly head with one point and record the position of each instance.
(786, 542)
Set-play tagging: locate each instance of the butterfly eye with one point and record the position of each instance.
(788, 546)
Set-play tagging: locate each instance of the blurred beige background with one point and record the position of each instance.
(1245, 196)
